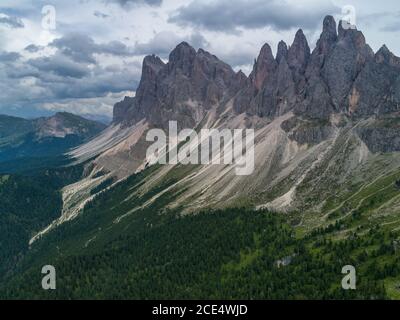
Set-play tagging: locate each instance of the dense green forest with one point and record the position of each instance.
(156, 253)
(28, 204)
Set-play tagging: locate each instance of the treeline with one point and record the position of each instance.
(28, 203)
(225, 254)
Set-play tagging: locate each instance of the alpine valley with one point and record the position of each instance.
(325, 192)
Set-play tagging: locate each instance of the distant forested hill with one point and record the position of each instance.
(40, 143)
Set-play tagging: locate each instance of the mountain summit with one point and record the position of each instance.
(338, 76)
(322, 119)
(24, 140)
(182, 89)
(326, 154)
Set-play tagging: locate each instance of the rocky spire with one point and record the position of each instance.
(328, 36)
(264, 66)
(182, 57)
(285, 90)
(329, 27)
(384, 55)
(342, 75)
(344, 29)
(150, 68)
(240, 79)
(347, 58)
(299, 52)
(324, 46)
(282, 51)
(351, 35)
(318, 102)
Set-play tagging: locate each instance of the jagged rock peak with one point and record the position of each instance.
(384, 55)
(384, 49)
(265, 53)
(181, 50)
(205, 53)
(263, 67)
(182, 56)
(282, 51)
(300, 39)
(325, 43)
(152, 63)
(241, 75)
(150, 68)
(329, 26)
(344, 28)
(347, 32)
(182, 47)
(153, 60)
(328, 36)
(299, 52)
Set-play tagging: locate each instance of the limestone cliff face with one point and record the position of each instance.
(321, 119)
(376, 89)
(341, 76)
(184, 89)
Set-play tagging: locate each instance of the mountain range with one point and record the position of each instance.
(23, 140)
(325, 115)
(327, 164)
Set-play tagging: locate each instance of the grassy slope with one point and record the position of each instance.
(154, 252)
(157, 253)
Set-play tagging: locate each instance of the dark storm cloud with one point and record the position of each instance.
(130, 3)
(99, 14)
(55, 79)
(82, 48)
(228, 17)
(60, 65)
(73, 72)
(98, 83)
(12, 22)
(33, 48)
(70, 73)
(9, 56)
(164, 42)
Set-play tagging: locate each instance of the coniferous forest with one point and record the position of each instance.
(233, 253)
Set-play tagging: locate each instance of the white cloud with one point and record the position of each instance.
(125, 32)
(98, 106)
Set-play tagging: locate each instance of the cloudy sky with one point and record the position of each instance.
(83, 56)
